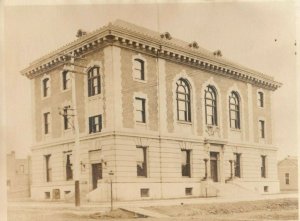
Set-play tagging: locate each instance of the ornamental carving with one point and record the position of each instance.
(213, 131)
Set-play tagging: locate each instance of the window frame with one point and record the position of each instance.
(47, 123)
(48, 168)
(66, 80)
(287, 178)
(139, 66)
(69, 166)
(46, 87)
(95, 127)
(143, 172)
(262, 129)
(94, 81)
(66, 118)
(234, 110)
(260, 99)
(210, 89)
(140, 111)
(237, 165)
(184, 83)
(145, 192)
(263, 166)
(186, 165)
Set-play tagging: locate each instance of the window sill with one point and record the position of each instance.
(97, 132)
(44, 98)
(262, 140)
(95, 97)
(47, 136)
(141, 124)
(65, 90)
(235, 130)
(184, 122)
(140, 81)
(67, 132)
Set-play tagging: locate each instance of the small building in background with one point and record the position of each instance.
(18, 176)
(288, 174)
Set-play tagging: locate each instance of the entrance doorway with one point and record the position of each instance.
(96, 174)
(214, 156)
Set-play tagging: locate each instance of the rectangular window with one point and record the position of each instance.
(144, 192)
(237, 165)
(69, 166)
(47, 195)
(48, 168)
(95, 124)
(287, 178)
(140, 110)
(8, 183)
(67, 116)
(261, 129)
(47, 123)
(188, 191)
(138, 69)
(66, 81)
(263, 166)
(141, 162)
(46, 87)
(260, 99)
(186, 163)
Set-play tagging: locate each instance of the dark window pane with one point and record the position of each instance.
(94, 81)
(183, 100)
(141, 161)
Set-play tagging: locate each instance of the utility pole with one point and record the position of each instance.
(76, 132)
(76, 149)
(111, 173)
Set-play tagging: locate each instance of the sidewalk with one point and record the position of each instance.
(94, 206)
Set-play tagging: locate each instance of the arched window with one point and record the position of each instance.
(234, 110)
(138, 68)
(46, 87)
(94, 86)
(211, 106)
(183, 97)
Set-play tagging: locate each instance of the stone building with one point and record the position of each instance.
(288, 174)
(166, 117)
(18, 176)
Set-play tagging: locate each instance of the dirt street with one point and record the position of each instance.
(275, 209)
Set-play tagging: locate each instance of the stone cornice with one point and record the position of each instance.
(153, 43)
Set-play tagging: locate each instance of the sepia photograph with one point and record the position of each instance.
(149, 110)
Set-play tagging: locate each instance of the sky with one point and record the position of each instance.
(259, 35)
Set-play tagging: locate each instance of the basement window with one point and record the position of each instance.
(188, 191)
(47, 195)
(144, 192)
